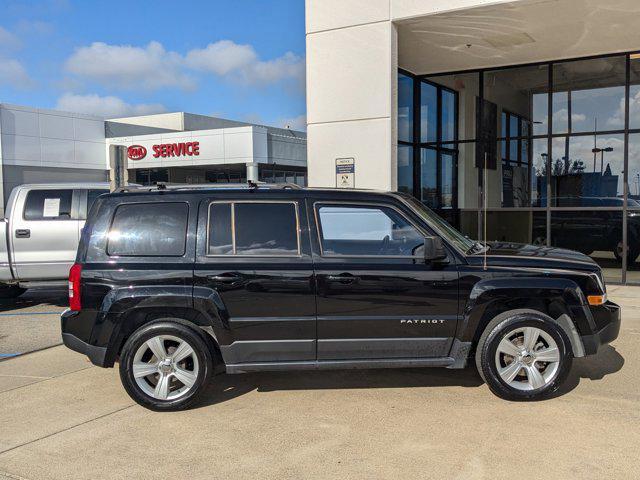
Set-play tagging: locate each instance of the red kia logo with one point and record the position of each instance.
(136, 152)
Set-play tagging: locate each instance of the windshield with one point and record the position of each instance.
(447, 231)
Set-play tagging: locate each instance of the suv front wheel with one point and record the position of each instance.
(523, 356)
(165, 365)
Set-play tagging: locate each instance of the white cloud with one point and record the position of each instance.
(13, 73)
(294, 123)
(562, 115)
(8, 41)
(107, 107)
(129, 67)
(617, 119)
(228, 59)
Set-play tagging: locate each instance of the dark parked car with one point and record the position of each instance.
(179, 283)
(592, 228)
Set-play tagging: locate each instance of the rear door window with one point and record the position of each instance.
(149, 230)
(253, 228)
(48, 205)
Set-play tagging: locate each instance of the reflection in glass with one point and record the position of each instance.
(429, 177)
(594, 233)
(446, 180)
(633, 242)
(405, 108)
(448, 116)
(589, 95)
(405, 169)
(428, 112)
(466, 86)
(539, 173)
(588, 171)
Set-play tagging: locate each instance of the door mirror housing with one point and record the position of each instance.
(434, 249)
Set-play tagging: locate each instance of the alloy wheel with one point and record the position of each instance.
(165, 367)
(527, 358)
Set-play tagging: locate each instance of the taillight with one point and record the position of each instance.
(74, 287)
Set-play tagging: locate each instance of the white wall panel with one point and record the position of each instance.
(88, 130)
(57, 126)
(20, 148)
(55, 151)
(330, 14)
(349, 73)
(19, 122)
(367, 141)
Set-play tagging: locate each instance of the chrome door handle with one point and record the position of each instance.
(344, 279)
(224, 278)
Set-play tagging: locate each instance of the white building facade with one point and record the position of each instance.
(528, 108)
(42, 146)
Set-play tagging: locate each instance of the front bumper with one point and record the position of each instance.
(608, 319)
(97, 355)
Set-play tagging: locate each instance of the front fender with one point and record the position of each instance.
(554, 297)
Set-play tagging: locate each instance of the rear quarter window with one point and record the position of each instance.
(149, 230)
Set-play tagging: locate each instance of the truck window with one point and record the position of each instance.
(48, 205)
(261, 228)
(149, 230)
(366, 230)
(92, 194)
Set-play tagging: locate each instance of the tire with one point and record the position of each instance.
(522, 375)
(632, 252)
(11, 291)
(175, 382)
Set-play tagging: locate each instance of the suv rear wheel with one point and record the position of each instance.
(523, 356)
(165, 365)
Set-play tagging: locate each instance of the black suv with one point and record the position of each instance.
(179, 283)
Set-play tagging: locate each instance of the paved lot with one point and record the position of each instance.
(31, 322)
(63, 418)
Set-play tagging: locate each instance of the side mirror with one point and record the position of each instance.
(434, 249)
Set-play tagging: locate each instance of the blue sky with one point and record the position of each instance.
(241, 59)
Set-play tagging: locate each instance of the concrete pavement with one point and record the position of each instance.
(31, 322)
(63, 418)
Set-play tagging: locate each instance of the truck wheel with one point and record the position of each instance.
(523, 355)
(165, 366)
(11, 291)
(632, 252)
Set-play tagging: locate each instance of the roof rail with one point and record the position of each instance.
(210, 186)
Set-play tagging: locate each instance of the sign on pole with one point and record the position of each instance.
(345, 172)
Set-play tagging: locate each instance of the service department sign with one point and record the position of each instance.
(345, 172)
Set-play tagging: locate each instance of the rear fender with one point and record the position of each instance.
(124, 310)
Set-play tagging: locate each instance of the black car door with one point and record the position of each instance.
(377, 297)
(254, 262)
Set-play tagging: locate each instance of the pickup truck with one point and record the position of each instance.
(39, 233)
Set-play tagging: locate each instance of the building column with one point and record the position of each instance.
(352, 71)
(252, 172)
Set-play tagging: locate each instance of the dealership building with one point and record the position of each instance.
(518, 118)
(39, 146)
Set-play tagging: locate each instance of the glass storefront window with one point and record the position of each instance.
(405, 169)
(448, 116)
(587, 171)
(429, 177)
(428, 112)
(596, 233)
(589, 95)
(405, 108)
(539, 172)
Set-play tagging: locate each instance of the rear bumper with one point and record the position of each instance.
(609, 317)
(97, 355)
